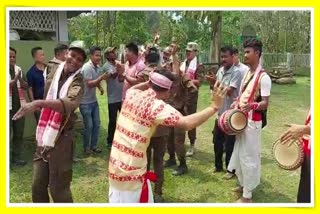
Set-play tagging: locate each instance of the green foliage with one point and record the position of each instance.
(280, 31)
(82, 28)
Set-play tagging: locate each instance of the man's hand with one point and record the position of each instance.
(174, 48)
(120, 68)
(294, 132)
(218, 93)
(121, 78)
(246, 107)
(18, 75)
(101, 90)
(211, 79)
(104, 76)
(27, 108)
(234, 104)
(16, 78)
(193, 85)
(113, 75)
(156, 38)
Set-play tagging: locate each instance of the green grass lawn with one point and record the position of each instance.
(289, 104)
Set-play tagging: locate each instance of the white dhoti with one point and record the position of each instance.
(246, 157)
(119, 196)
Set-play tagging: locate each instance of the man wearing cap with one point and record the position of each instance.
(114, 91)
(181, 86)
(89, 107)
(194, 70)
(166, 57)
(142, 111)
(52, 166)
(60, 53)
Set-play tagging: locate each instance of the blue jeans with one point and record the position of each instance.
(91, 120)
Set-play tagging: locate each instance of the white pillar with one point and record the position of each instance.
(62, 26)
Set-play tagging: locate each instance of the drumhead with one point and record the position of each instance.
(288, 157)
(238, 120)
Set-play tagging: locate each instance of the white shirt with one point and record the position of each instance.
(265, 86)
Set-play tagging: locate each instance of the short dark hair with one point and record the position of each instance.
(153, 56)
(94, 49)
(14, 50)
(235, 51)
(34, 50)
(133, 47)
(60, 48)
(164, 72)
(226, 49)
(254, 43)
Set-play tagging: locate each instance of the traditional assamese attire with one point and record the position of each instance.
(140, 115)
(246, 156)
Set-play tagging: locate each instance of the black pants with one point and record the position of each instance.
(16, 128)
(304, 192)
(221, 139)
(113, 109)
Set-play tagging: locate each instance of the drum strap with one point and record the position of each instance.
(247, 83)
(255, 85)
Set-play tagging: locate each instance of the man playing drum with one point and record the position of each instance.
(230, 76)
(254, 97)
(301, 133)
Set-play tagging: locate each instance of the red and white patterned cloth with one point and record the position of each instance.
(141, 113)
(306, 138)
(191, 69)
(50, 121)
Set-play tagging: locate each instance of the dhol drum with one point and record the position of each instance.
(288, 156)
(233, 121)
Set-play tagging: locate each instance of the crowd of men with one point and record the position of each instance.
(152, 103)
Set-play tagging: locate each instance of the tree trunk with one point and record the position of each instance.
(97, 31)
(215, 43)
(113, 27)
